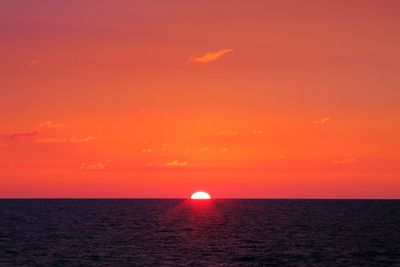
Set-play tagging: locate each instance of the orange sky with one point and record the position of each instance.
(279, 99)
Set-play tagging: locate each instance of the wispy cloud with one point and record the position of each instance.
(71, 140)
(240, 133)
(35, 132)
(34, 62)
(322, 120)
(346, 160)
(257, 132)
(92, 166)
(228, 133)
(22, 135)
(177, 163)
(210, 56)
(50, 124)
(38, 135)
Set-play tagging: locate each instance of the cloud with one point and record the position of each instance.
(22, 135)
(177, 163)
(35, 62)
(322, 120)
(37, 135)
(50, 124)
(346, 160)
(70, 140)
(228, 133)
(92, 166)
(210, 56)
(35, 132)
(241, 133)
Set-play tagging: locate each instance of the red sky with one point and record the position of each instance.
(274, 99)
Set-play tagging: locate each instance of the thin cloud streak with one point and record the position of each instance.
(210, 56)
(70, 140)
(92, 166)
(50, 124)
(22, 135)
(177, 163)
(346, 160)
(322, 120)
(35, 62)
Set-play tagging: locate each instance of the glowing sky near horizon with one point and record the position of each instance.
(286, 99)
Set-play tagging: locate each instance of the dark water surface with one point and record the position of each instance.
(196, 233)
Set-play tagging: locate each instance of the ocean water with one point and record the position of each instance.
(156, 232)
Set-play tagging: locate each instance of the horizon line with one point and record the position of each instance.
(181, 198)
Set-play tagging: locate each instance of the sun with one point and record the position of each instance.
(200, 195)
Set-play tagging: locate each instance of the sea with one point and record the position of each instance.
(182, 232)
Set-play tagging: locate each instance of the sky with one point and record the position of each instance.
(242, 99)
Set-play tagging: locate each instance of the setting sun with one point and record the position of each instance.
(200, 195)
